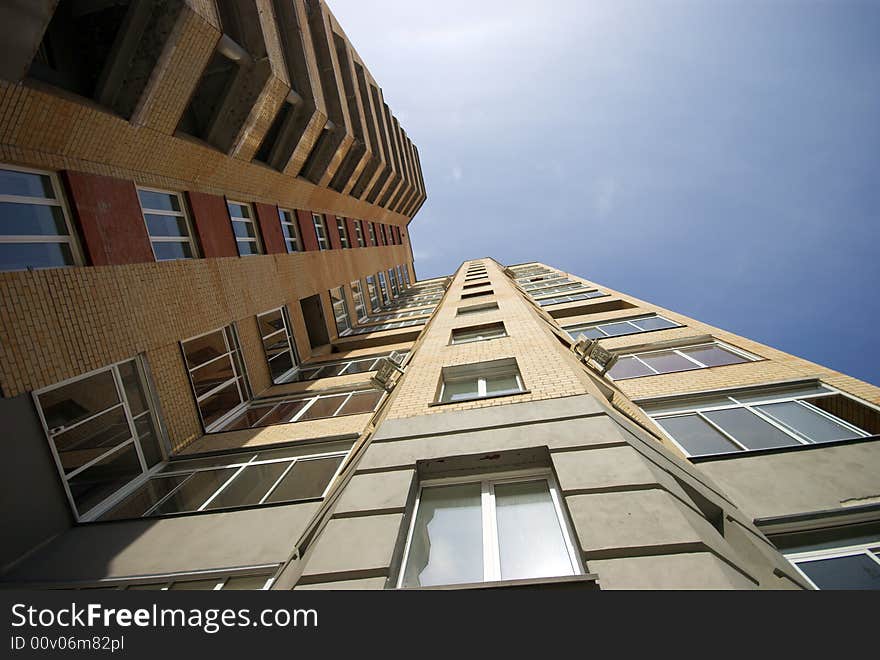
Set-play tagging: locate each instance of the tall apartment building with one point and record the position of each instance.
(219, 370)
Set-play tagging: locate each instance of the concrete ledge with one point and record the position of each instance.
(698, 570)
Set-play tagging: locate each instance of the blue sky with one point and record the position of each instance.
(721, 159)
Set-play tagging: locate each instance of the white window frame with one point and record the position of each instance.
(677, 350)
(499, 329)
(252, 221)
(293, 225)
(359, 232)
(479, 373)
(871, 549)
(373, 294)
(384, 291)
(360, 305)
(183, 213)
(241, 380)
(134, 440)
(345, 364)
(364, 329)
(342, 228)
(372, 232)
(751, 406)
(272, 405)
(341, 312)
(71, 240)
(489, 528)
(580, 327)
(320, 224)
(291, 343)
(392, 280)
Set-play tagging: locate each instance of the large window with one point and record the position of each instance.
(359, 232)
(756, 419)
(392, 278)
(245, 228)
(278, 343)
(167, 224)
(216, 373)
(360, 305)
(573, 297)
(290, 230)
(288, 410)
(234, 480)
(480, 381)
(347, 367)
(686, 358)
(478, 333)
(492, 529)
(102, 432)
(383, 288)
(340, 311)
(320, 223)
(35, 231)
(853, 566)
(372, 230)
(343, 232)
(373, 293)
(620, 327)
(405, 270)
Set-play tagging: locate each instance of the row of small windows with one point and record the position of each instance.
(36, 229)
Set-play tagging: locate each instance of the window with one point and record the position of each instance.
(466, 531)
(216, 373)
(392, 278)
(480, 381)
(277, 336)
(340, 311)
(102, 432)
(372, 231)
(574, 297)
(556, 288)
(405, 270)
(478, 333)
(290, 230)
(321, 231)
(672, 360)
(305, 408)
(359, 232)
(373, 293)
(240, 479)
(477, 294)
(851, 566)
(620, 327)
(482, 282)
(343, 232)
(167, 224)
(36, 231)
(757, 419)
(400, 280)
(347, 367)
(383, 288)
(384, 234)
(244, 228)
(387, 326)
(476, 309)
(360, 305)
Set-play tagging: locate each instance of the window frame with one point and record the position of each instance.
(372, 231)
(152, 411)
(184, 213)
(319, 220)
(631, 320)
(341, 311)
(359, 233)
(291, 343)
(749, 357)
(489, 527)
(342, 229)
(294, 228)
(256, 240)
(479, 373)
(71, 240)
(498, 326)
(871, 549)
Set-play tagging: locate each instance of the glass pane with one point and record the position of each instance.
(270, 323)
(530, 538)
(714, 356)
(248, 419)
(615, 329)
(166, 225)
(200, 350)
(667, 362)
(447, 538)
(148, 439)
(359, 367)
(144, 498)
(281, 363)
(219, 403)
(244, 229)
(250, 486)
(217, 372)
(238, 210)
(807, 422)
(68, 404)
(628, 367)
(853, 572)
(362, 402)
(158, 201)
(31, 220)
(90, 439)
(131, 384)
(20, 256)
(592, 333)
(749, 429)
(97, 483)
(696, 435)
(654, 323)
(246, 248)
(306, 480)
(323, 407)
(195, 491)
(501, 385)
(456, 390)
(284, 412)
(25, 184)
(167, 251)
(246, 583)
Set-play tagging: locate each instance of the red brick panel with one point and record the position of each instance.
(211, 218)
(333, 232)
(307, 230)
(352, 232)
(109, 217)
(270, 228)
